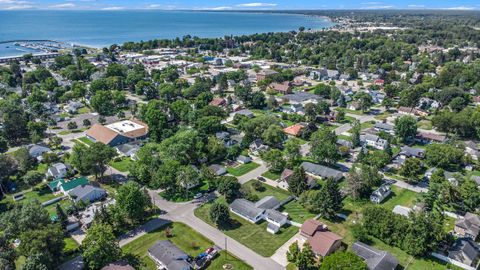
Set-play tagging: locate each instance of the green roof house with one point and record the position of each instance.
(66, 186)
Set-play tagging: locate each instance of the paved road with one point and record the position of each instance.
(185, 213)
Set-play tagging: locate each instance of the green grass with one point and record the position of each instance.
(42, 168)
(296, 212)
(253, 236)
(83, 110)
(400, 196)
(271, 175)
(425, 124)
(242, 169)
(86, 141)
(268, 190)
(123, 165)
(64, 132)
(185, 238)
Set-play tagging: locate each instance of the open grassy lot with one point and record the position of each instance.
(253, 236)
(271, 175)
(185, 238)
(268, 190)
(400, 196)
(242, 169)
(296, 212)
(86, 141)
(122, 165)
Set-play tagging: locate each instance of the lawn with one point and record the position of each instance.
(268, 190)
(253, 236)
(122, 165)
(83, 110)
(296, 212)
(181, 196)
(86, 141)
(185, 238)
(242, 169)
(271, 175)
(64, 132)
(400, 196)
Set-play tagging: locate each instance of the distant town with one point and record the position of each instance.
(355, 147)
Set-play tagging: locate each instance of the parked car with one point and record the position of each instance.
(262, 179)
(198, 196)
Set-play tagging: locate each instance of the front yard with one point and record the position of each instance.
(186, 239)
(122, 164)
(242, 169)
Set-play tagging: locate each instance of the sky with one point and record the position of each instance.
(236, 4)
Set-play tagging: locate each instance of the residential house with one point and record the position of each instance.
(128, 150)
(465, 251)
(374, 258)
(66, 186)
(264, 74)
(412, 111)
(244, 112)
(257, 147)
(57, 170)
(344, 143)
(87, 193)
(73, 106)
(373, 141)
(354, 106)
(218, 102)
(294, 109)
(294, 131)
(285, 178)
(471, 149)
(322, 241)
(168, 256)
(217, 169)
(321, 171)
(412, 152)
(264, 209)
(118, 133)
(244, 159)
(424, 137)
(380, 126)
(36, 151)
(468, 226)
(380, 194)
(281, 88)
(118, 266)
(476, 179)
(300, 98)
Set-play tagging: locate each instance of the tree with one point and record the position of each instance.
(28, 216)
(7, 254)
(365, 100)
(323, 146)
(469, 194)
(405, 128)
(32, 178)
(100, 247)
(292, 151)
(274, 160)
(330, 199)
(297, 184)
(445, 156)
(356, 129)
(306, 258)
(86, 122)
(35, 262)
(411, 169)
(219, 214)
(343, 260)
(273, 135)
(132, 202)
(72, 125)
(293, 252)
(93, 159)
(228, 186)
(187, 177)
(61, 216)
(47, 241)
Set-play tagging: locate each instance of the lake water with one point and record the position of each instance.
(103, 28)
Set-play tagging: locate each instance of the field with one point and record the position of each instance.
(123, 165)
(270, 175)
(296, 212)
(186, 239)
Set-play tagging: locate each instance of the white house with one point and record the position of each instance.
(57, 170)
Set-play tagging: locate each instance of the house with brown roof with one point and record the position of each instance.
(264, 74)
(285, 178)
(118, 133)
(322, 241)
(218, 102)
(468, 226)
(295, 130)
(282, 88)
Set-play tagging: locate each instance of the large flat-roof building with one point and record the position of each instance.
(118, 133)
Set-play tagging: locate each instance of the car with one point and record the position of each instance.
(198, 196)
(261, 179)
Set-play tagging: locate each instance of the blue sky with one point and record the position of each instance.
(238, 4)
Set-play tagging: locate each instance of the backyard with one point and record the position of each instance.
(242, 169)
(186, 239)
(121, 164)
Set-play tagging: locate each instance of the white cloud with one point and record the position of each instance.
(257, 5)
(221, 8)
(67, 5)
(114, 8)
(371, 3)
(460, 8)
(378, 7)
(158, 6)
(416, 6)
(17, 7)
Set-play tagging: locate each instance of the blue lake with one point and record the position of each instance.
(103, 28)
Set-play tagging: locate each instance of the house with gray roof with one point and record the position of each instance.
(128, 150)
(36, 151)
(373, 141)
(87, 193)
(301, 98)
(168, 256)
(374, 258)
(380, 194)
(217, 169)
(264, 209)
(321, 171)
(245, 112)
(408, 152)
(380, 126)
(468, 226)
(57, 170)
(466, 251)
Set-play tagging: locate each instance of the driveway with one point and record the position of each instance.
(280, 255)
(253, 174)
